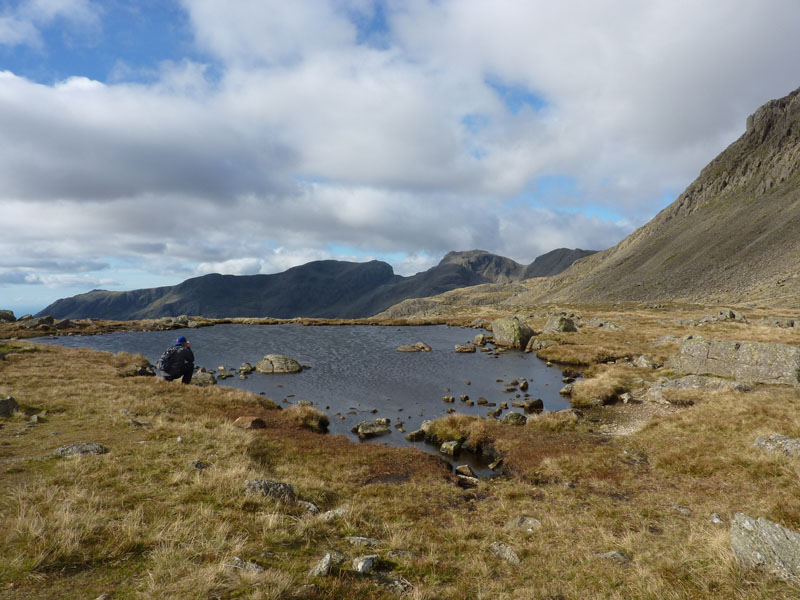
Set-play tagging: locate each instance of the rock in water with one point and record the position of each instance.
(766, 545)
(418, 347)
(511, 332)
(277, 363)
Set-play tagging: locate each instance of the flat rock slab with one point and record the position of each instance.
(753, 362)
(779, 444)
(81, 449)
(765, 545)
(418, 347)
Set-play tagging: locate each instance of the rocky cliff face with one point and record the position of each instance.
(733, 235)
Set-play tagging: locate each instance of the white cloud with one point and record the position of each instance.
(296, 138)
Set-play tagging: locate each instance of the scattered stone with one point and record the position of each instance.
(448, 399)
(534, 344)
(716, 519)
(480, 340)
(559, 324)
(416, 436)
(529, 404)
(482, 401)
(333, 514)
(246, 368)
(614, 556)
(511, 333)
(367, 542)
(323, 567)
(566, 390)
(505, 552)
(782, 322)
(364, 564)
(418, 347)
(7, 406)
(244, 565)
(495, 413)
(250, 423)
(80, 449)
(515, 418)
(383, 421)
(686, 512)
(465, 470)
(198, 464)
(644, 362)
(277, 363)
(779, 444)
(467, 482)
(765, 545)
(278, 490)
(464, 397)
(752, 362)
(465, 348)
(523, 385)
(402, 555)
(309, 507)
(525, 523)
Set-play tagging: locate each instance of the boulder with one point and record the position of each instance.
(752, 362)
(779, 444)
(465, 470)
(203, 378)
(278, 490)
(7, 316)
(246, 368)
(534, 345)
(529, 404)
(481, 339)
(324, 565)
(415, 436)
(465, 348)
(364, 564)
(35, 322)
(515, 418)
(7, 406)
(418, 347)
(511, 333)
(559, 324)
(765, 545)
(277, 363)
(644, 362)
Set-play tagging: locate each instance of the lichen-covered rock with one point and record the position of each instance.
(204, 378)
(271, 489)
(364, 564)
(80, 449)
(277, 363)
(246, 368)
(370, 429)
(559, 324)
(505, 552)
(514, 418)
(765, 545)
(781, 444)
(753, 362)
(511, 333)
(7, 316)
(451, 448)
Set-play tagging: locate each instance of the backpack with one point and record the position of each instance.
(166, 362)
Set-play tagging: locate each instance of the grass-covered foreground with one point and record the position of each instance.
(143, 521)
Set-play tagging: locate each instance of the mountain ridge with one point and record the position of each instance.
(324, 289)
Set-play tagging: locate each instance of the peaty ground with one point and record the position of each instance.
(143, 521)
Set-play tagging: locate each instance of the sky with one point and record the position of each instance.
(146, 142)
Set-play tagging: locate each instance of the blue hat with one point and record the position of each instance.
(180, 340)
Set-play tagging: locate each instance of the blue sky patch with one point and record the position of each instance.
(516, 96)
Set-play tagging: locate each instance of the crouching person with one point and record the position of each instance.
(177, 361)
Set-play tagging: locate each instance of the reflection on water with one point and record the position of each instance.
(356, 373)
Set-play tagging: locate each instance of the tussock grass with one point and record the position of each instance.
(603, 385)
(308, 417)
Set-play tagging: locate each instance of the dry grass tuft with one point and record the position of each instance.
(604, 385)
(308, 417)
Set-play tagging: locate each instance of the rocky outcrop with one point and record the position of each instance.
(277, 363)
(753, 362)
(7, 406)
(511, 332)
(655, 392)
(7, 316)
(765, 545)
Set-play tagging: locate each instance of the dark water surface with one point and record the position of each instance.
(356, 371)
